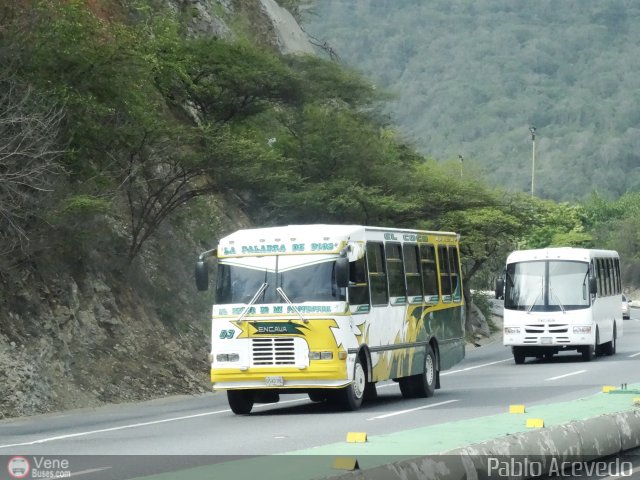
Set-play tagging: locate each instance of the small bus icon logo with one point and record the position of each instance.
(18, 467)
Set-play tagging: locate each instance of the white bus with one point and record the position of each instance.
(329, 310)
(559, 299)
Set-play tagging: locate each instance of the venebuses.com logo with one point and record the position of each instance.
(18, 467)
(38, 467)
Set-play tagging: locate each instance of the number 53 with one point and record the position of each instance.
(226, 334)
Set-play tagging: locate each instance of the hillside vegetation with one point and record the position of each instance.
(470, 78)
(130, 143)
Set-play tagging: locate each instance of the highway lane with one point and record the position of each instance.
(485, 383)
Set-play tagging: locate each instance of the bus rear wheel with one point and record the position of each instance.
(422, 385)
(240, 401)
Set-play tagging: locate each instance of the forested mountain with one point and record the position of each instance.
(470, 78)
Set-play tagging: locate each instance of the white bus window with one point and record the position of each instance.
(412, 272)
(429, 272)
(455, 274)
(568, 286)
(377, 274)
(358, 285)
(395, 272)
(445, 273)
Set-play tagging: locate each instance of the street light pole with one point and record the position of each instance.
(533, 157)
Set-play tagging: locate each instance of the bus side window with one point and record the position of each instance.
(395, 273)
(445, 274)
(358, 286)
(429, 273)
(412, 272)
(377, 273)
(612, 276)
(600, 277)
(455, 273)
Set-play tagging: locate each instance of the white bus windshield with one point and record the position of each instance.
(547, 286)
(308, 283)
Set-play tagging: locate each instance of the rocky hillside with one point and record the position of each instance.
(79, 326)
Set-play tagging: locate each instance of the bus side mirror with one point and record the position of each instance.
(593, 285)
(342, 272)
(202, 275)
(499, 288)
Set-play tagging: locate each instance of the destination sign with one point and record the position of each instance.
(278, 248)
(274, 310)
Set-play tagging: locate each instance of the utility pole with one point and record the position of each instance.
(532, 129)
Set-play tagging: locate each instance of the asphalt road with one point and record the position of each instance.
(485, 383)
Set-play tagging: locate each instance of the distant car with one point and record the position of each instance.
(626, 314)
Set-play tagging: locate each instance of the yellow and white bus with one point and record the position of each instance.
(559, 299)
(329, 310)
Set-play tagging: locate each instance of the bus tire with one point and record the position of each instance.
(370, 392)
(589, 351)
(317, 396)
(609, 348)
(240, 401)
(422, 385)
(350, 397)
(518, 356)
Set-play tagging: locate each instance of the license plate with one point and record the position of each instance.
(274, 381)
(546, 340)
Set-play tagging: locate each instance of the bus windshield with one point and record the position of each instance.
(308, 283)
(547, 286)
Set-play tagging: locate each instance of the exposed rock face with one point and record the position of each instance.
(289, 36)
(206, 17)
(476, 322)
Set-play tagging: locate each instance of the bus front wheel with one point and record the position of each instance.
(589, 351)
(350, 397)
(609, 348)
(240, 401)
(518, 356)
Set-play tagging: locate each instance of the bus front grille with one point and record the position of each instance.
(273, 351)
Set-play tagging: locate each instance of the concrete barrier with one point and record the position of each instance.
(518, 456)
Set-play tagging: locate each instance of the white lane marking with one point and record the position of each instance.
(138, 425)
(474, 367)
(83, 472)
(565, 375)
(400, 412)
(634, 355)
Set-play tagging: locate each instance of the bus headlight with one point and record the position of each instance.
(320, 355)
(511, 330)
(582, 329)
(228, 357)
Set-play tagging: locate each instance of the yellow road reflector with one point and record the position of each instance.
(356, 437)
(516, 408)
(346, 463)
(535, 423)
(608, 388)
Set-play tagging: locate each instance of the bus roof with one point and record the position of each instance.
(559, 253)
(318, 238)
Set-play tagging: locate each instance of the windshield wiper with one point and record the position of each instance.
(253, 300)
(286, 299)
(553, 295)
(537, 297)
